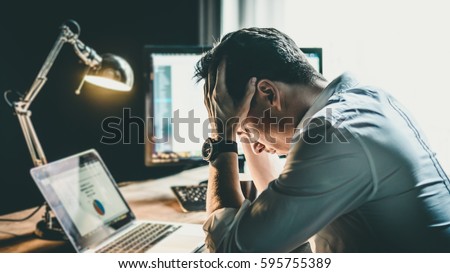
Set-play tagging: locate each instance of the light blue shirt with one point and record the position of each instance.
(360, 177)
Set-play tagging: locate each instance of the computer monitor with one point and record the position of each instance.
(314, 56)
(177, 121)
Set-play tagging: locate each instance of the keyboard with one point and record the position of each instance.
(191, 198)
(139, 239)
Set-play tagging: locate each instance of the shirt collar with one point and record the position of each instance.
(341, 83)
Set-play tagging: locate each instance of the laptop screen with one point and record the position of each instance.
(84, 197)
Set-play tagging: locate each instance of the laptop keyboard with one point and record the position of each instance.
(139, 239)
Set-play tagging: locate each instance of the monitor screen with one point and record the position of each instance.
(177, 122)
(314, 56)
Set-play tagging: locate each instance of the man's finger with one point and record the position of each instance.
(208, 86)
(208, 93)
(205, 93)
(220, 77)
(250, 91)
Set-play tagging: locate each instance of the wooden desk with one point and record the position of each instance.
(150, 200)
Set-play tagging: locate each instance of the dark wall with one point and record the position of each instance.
(66, 123)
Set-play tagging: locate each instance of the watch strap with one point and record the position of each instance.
(218, 146)
(224, 146)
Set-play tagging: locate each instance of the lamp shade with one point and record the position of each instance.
(113, 73)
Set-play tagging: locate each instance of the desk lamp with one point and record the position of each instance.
(107, 71)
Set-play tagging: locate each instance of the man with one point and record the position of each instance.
(359, 175)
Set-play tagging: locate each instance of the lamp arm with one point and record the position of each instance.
(85, 53)
(34, 145)
(41, 78)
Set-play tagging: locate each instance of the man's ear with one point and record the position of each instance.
(270, 92)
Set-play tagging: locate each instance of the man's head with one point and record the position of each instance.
(277, 63)
(264, 53)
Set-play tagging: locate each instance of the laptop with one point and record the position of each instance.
(95, 216)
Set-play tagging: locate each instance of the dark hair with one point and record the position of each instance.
(256, 52)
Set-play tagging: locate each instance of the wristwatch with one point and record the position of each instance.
(213, 147)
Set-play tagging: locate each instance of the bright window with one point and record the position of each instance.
(401, 46)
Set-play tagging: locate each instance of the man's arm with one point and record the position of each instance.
(224, 188)
(320, 182)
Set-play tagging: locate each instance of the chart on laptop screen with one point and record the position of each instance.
(88, 196)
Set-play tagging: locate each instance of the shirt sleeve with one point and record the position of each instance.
(327, 174)
(219, 224)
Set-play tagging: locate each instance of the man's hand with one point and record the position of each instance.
(224, 114)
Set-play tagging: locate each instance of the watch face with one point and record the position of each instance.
(207, 149)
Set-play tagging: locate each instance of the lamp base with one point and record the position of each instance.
(50, 231)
